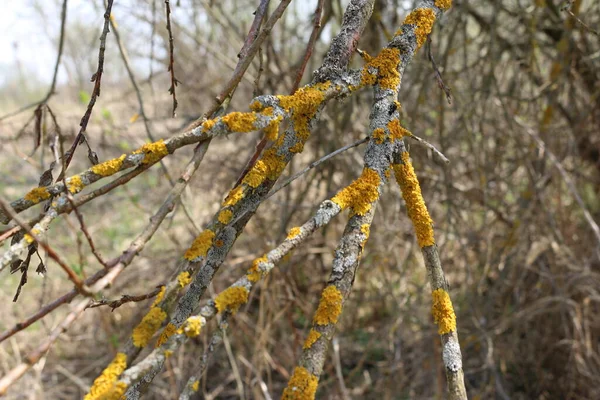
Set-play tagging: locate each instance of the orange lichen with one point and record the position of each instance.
(159, 296)
(195, 386)
(75, 184)
(200, 246)
(110, 167)
(312, 337)
(443, 4)
(360, 194)
(235, 195)
(254, 273)
(256, 106)
(184, 279)
(192, 327)
(106, 386)
(397, 131)
(423, 18)
(302, 385)
(153, 151)
(219, 243)
(38, 194)
(231, 299)
(415, 205)
(386, 64)
(443, 312)
(144, 331)
(269, 166)
(330, 306)
(295, 231)
(239, 121)
(272, 130)
(169, 331)
(303, 105)
(225, 216)
(379, 135)
(208, 125)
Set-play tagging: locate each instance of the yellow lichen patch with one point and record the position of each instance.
(297, 148)
(110, 167)
(443, 312)
(330, 306)
(272, 130)
(184, 279)
(256, 106)
(240, 122)
(195, 386)
(254, 273)
(29, 238)
(423, 18)
(397, 131)
(386, 64)
(295, 231)
(360, 194)
(75, 184)
(225, 216)
(159, 296)
(38, 194)
(235, 195)
(105, 386)
(304, 104)
(443, 4)
(365, 229)
(379, 135)
(269, 166)
(192, 328)
(415, 205)
(302, 385)
(168, 353)
(231, 299)
(208, 125)
(169, 331)
(143, 332)
(153, 151)
(312, 337)
(200, 246)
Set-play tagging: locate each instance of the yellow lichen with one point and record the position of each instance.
(423, 18)
(184, 279)
(361, 193)
(106, 386)
(268, 111)
(159, 296)
(208, 125)
(443, 312)
(365, 229)
(143, 332)
(38, 194)
(443, 4)
(235, 195)
(168, 353)
(240, 122)
(153, 151)
(378, 135)
(169, 331)
(415, 205)
(225, 216)
(200, 246)
(386, 64)
(303, 105)
(195, 386)
(312, 337)
(75, 184)
(254, 273)
(397, 131)
(297, 148)
(193, 326)
(295, 231)
(272, 130)
(29, 238)
(302, 385)
(231, 299)
(269, 166)
(110, 167)
(330, 306)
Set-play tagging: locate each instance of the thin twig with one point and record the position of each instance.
(171, 68)
(113, 304)
(438, 74)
